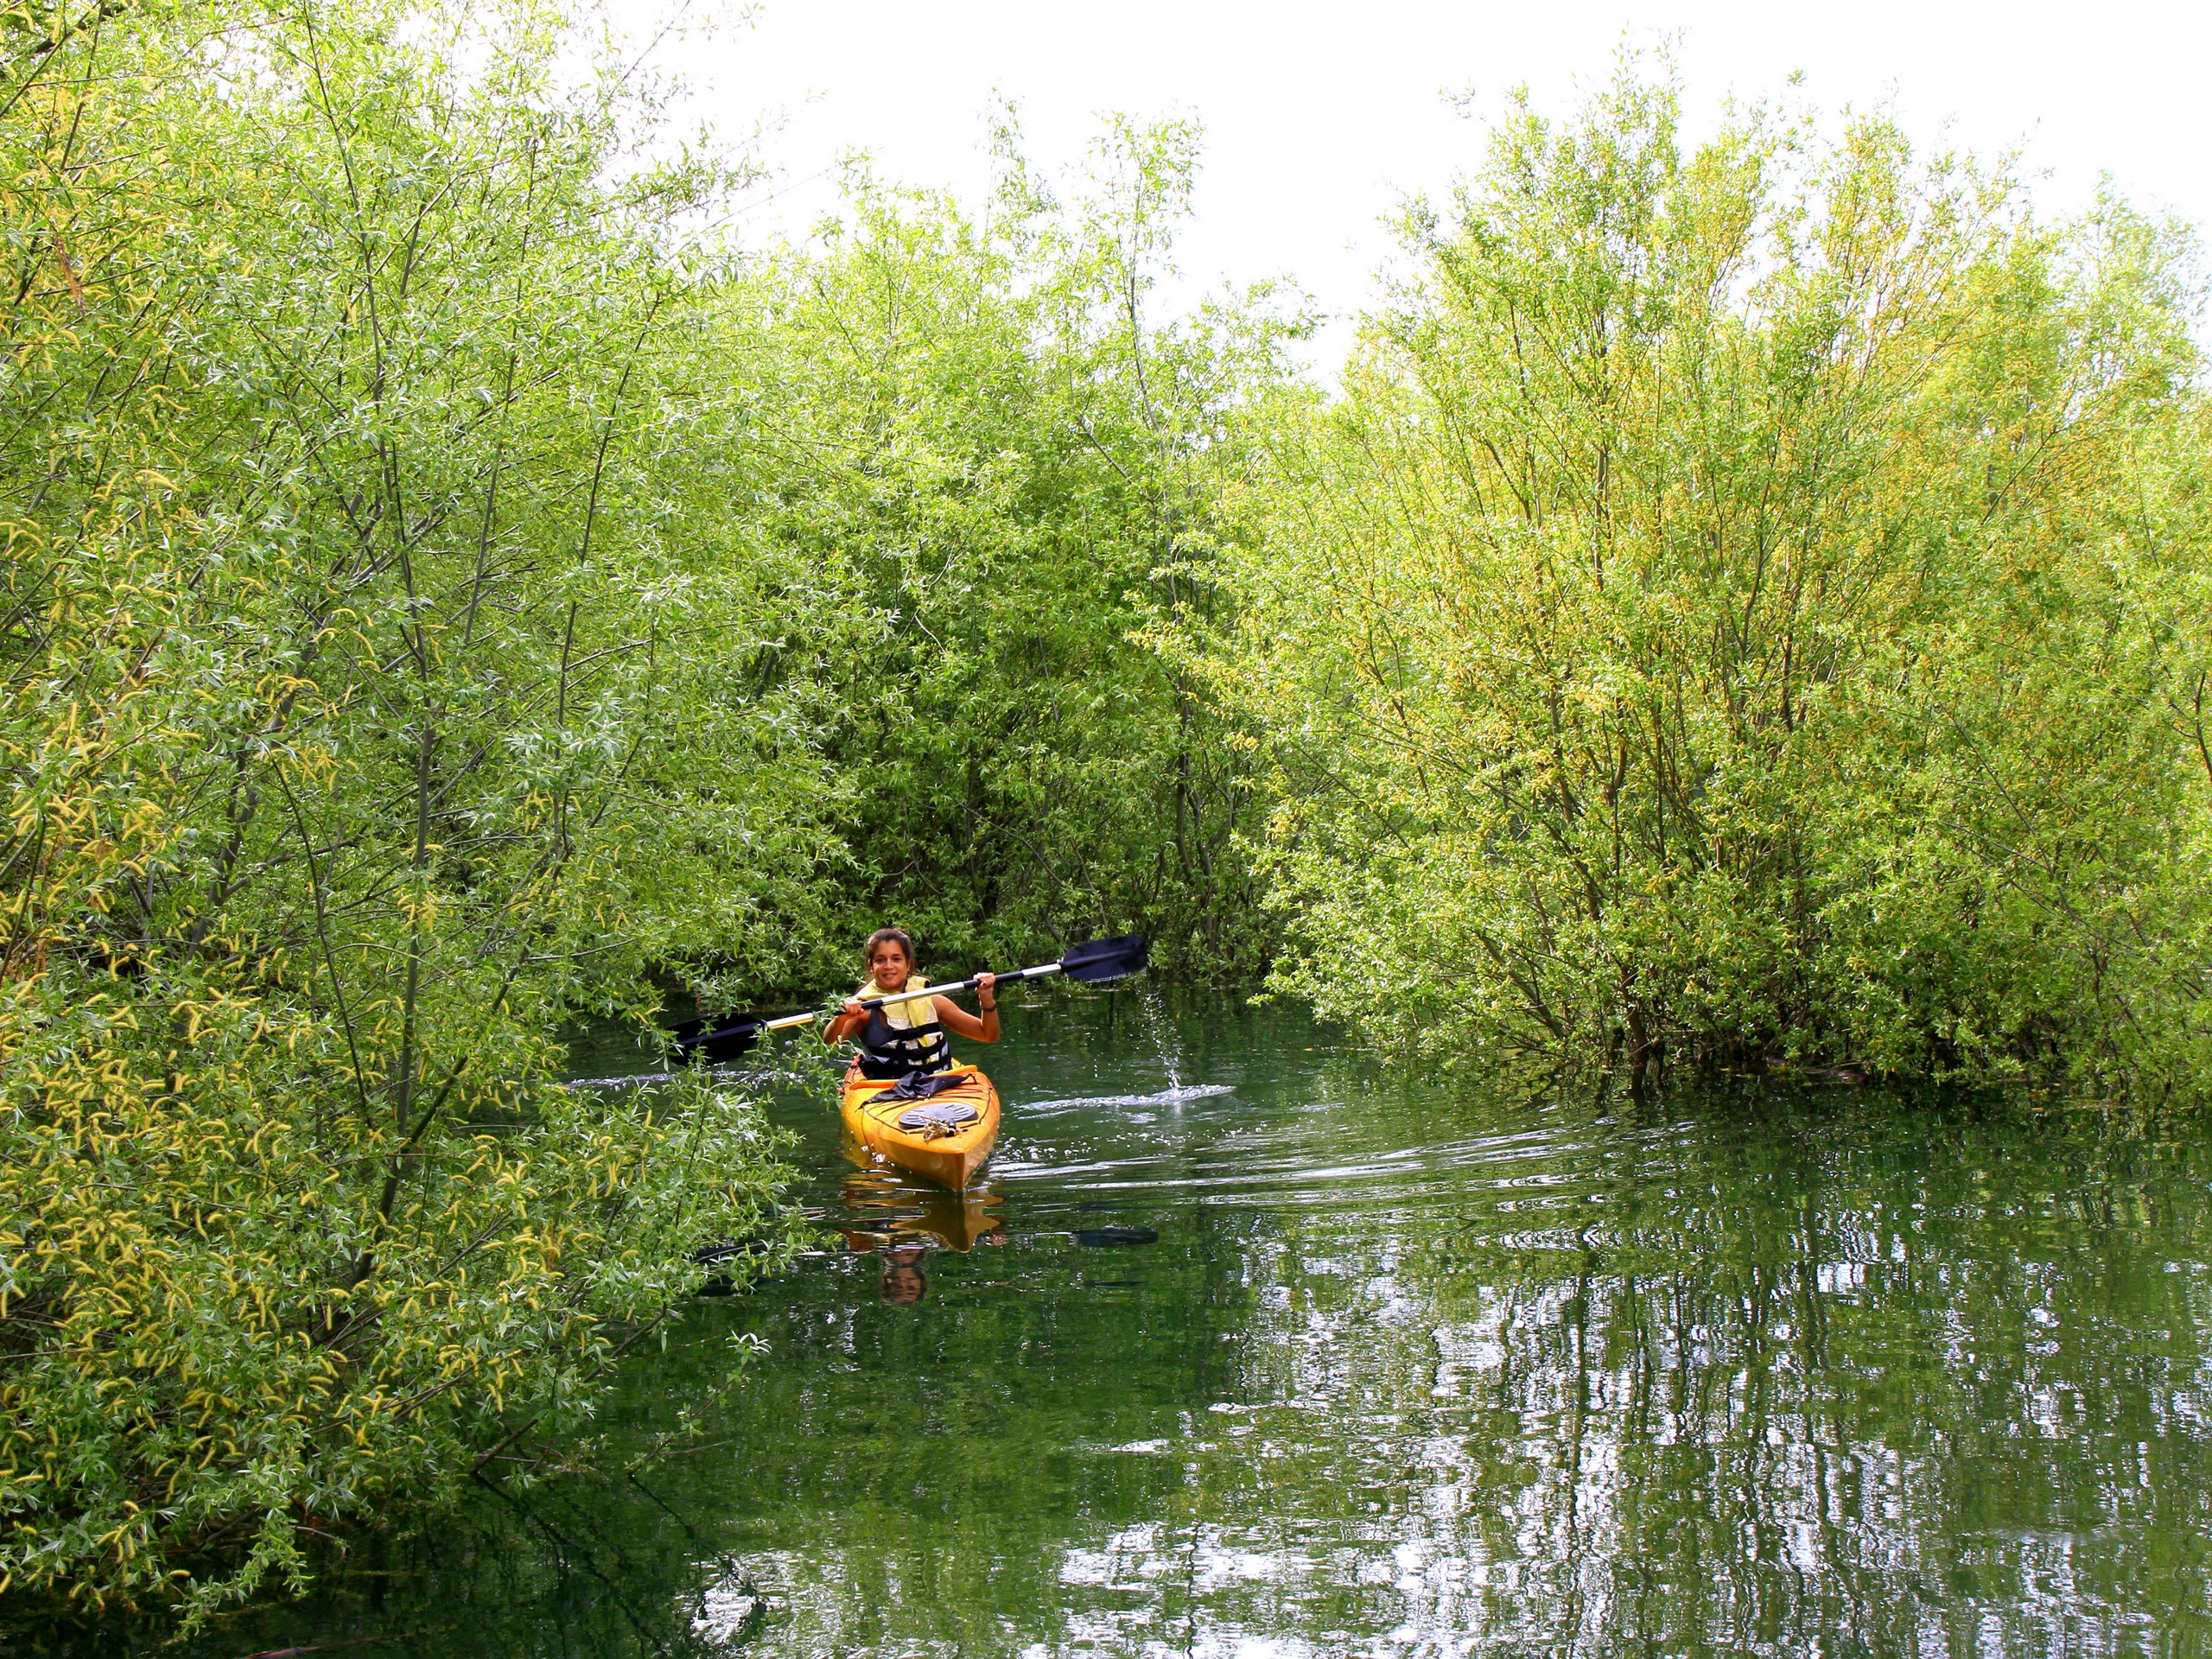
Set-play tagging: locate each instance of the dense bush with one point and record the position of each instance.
(975, 431)
(1747, 601)
(449, 591)
(347, 661)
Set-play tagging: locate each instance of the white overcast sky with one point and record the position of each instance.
(1319, 118)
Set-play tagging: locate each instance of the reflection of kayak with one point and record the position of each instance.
(885, 1208)
(945, 1137)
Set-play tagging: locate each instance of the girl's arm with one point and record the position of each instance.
(956, 1018)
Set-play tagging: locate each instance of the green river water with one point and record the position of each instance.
(1409, 1368)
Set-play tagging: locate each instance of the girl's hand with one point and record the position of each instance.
(987, 992)
(854, 1010)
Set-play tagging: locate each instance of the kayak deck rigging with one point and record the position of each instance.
(946, 1138)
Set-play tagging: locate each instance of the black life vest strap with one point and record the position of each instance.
(888, 1053)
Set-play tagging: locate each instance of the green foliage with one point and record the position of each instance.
(446, 596)
(348, 661)
(1007, 468)
(1746, 602)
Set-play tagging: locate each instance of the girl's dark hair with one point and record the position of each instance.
(889, 936)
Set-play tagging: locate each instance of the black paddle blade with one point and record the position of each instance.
(716, 1041)
(1107, 958)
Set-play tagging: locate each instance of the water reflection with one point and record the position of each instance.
(898, 1220)
(1401, 1367)
(883, 1208)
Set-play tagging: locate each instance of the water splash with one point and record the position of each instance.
(1162, 1031)
(1165, 1097)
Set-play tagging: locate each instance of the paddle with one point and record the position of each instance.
(718, 1041)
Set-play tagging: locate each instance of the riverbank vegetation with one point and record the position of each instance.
(1746, 602)
(449, 591)
(346, 659)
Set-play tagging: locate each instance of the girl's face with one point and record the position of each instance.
(888, 963)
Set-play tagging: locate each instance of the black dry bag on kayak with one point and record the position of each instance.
(923, 1086)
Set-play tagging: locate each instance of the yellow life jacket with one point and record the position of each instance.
(904, 1036)
(904, 1016)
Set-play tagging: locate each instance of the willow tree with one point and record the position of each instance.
(986, 433)
(360, 717)
(1738, 607)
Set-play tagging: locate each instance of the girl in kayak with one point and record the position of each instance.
(900, 1039)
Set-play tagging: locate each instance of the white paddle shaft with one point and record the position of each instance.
(960, 985)
(790, 1020)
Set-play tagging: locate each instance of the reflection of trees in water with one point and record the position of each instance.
(1878, 1382)
(1857, 1380)
(606, 1569)
(1915, 1385)
(1854, 1396)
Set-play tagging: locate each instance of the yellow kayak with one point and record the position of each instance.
(946, 1138)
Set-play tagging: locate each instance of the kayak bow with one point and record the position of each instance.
(926, 1137)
